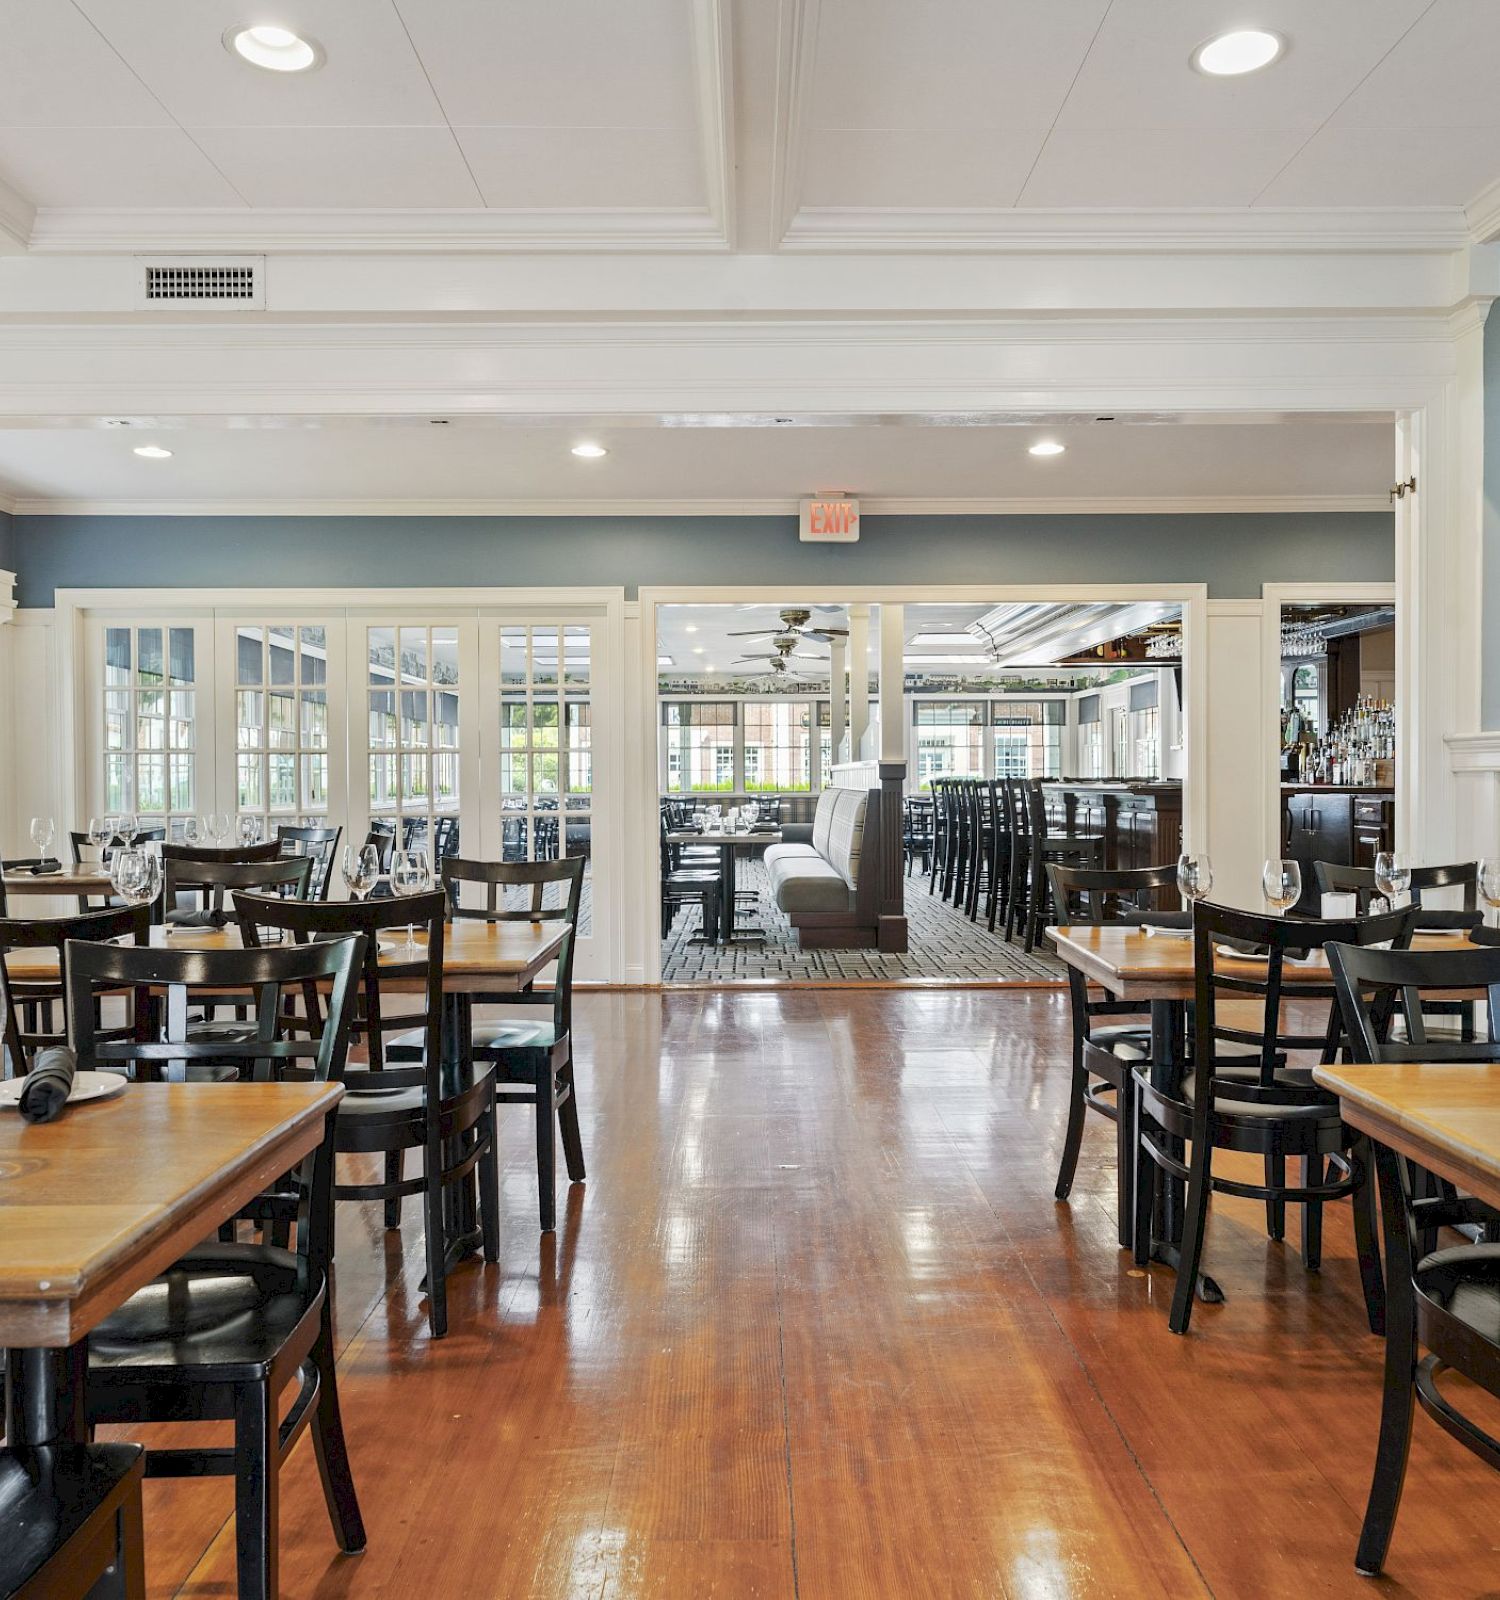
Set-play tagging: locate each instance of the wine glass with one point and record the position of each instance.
(1281, 883)
(98, 835)
(1195, 876)
(1392, 874)
(411, 873)
(192, 832)
(1488, 883)
(216, 827)
(361, 869)
(129, 826)
(135, 875)
(42, 830)
(249, 830)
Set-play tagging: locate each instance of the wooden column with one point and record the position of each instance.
(838, 700)
(859, 681)
(892, 932)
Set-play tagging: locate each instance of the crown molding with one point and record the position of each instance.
(1356, 230)
(1483, 213)
(103, 231)
(17, 220)
(1075, 505)
(714, 73)
(1473, 752)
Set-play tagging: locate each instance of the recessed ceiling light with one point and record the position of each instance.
(1047, 447)
(697, 649)
(1244, 50)
(708, 666)
(958, 639)
(664, 661)
(590, 452)
(690, 627)
(152, 452)
(275, 49)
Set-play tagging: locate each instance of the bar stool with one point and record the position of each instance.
(940, 833)
(1046, 849)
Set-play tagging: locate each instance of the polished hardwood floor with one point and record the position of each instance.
(816, 1327)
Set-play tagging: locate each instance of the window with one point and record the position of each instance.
(700, 746)
(413, 723)
(1143, 759)
(778, 746)
(281, 723)
(1028, 738)
(546, 749)
(1305, 693)
(150, 724)
(950, 739)
(1090, 736)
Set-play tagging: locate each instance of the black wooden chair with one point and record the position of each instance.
(73, 1525)
(1447, 1300)
(226, 1330)
(1045, 848)
(1104, 1053)
(319, 843)
(1333, 878)
(429, 1103)
(533, 1061)
(188, 872)
(28, 1007)
(916, 832)
(683, 884)
(1265, 1107)
(941, 834)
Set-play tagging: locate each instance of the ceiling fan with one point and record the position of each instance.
(794, 625)
(785, 651)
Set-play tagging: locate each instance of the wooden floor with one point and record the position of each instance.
(816, 1327)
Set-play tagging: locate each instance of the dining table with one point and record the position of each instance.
(731, 845)
(1155, 967)
(69, 881)
(96, 1204)
(1446, 1118)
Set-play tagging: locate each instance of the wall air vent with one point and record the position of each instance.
(181, 283)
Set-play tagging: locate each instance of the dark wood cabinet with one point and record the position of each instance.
(1141, 824)
(1347, 827)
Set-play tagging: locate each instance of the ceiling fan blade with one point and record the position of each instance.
(754, 633)
(824, 635)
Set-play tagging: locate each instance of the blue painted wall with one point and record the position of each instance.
(1489, 686)
(1234, 555)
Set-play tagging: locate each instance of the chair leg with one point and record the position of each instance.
(1275, 1209)
(1144, 1184)
(393, 1175)
(436, 1241)
(331, 1450)
(1125, 1148)
(1194, 1225)
(489, 1186)
(255, 1484)
(1312, 1215)
(1399, 1399)
(1366, 1232)
(567, 1124)
(1077, 1112)
(546, 1150)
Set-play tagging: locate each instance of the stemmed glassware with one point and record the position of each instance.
(361, 869)
(128, 826)
(216, 826)
(1195, 876)
(249, 830)
(411, 873)
(1489, 887)
(99, 835)
(42, 831)
(135, 875)
(1392, 874)
(192, 832)
(1281, 883)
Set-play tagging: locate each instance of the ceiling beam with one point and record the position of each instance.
(713, 62)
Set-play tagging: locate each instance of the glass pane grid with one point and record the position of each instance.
(281, 714)
(148, 723)
(412, 725)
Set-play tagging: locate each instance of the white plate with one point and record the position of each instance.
(86, 1086)
(1167, 933)
(1443, 933)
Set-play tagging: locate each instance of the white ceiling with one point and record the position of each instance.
(1241, 465)
(774, 109)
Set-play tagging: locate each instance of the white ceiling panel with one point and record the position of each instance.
(342, 166)
(1441, 75)
(947, 64)
(417, 462)
(557, 63)
(1156, 167)
(1138, 74)
(561, 167)
(57, 71)
(111, 167)
(925, 167)
(1389, 166)
(371, 75)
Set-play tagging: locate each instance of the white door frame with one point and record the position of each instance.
(644, 934)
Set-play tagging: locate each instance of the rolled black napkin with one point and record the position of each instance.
(1157, 919)
(44, 867)
(1440, 919)
(200, 919)
(48, 1084)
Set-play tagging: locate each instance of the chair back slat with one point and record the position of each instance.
(1376, 986)
(321, 844)
(209, 873)
(1334, 878)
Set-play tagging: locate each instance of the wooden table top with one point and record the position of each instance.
(70, 881)
(477, 956)
(1136, 965)
(1447, 1117)
(94, 1205)
(736, 841)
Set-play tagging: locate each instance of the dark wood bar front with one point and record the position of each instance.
(1141, 822)
(1341, 824)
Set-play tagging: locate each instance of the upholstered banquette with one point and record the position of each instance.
(816, 875)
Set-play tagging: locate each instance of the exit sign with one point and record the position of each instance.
(828, 520)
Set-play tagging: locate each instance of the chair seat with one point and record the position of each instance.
(1465, 1281)
(1135, 1034)
(49, 1498)
(228, 1308)
(1289, 1111)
